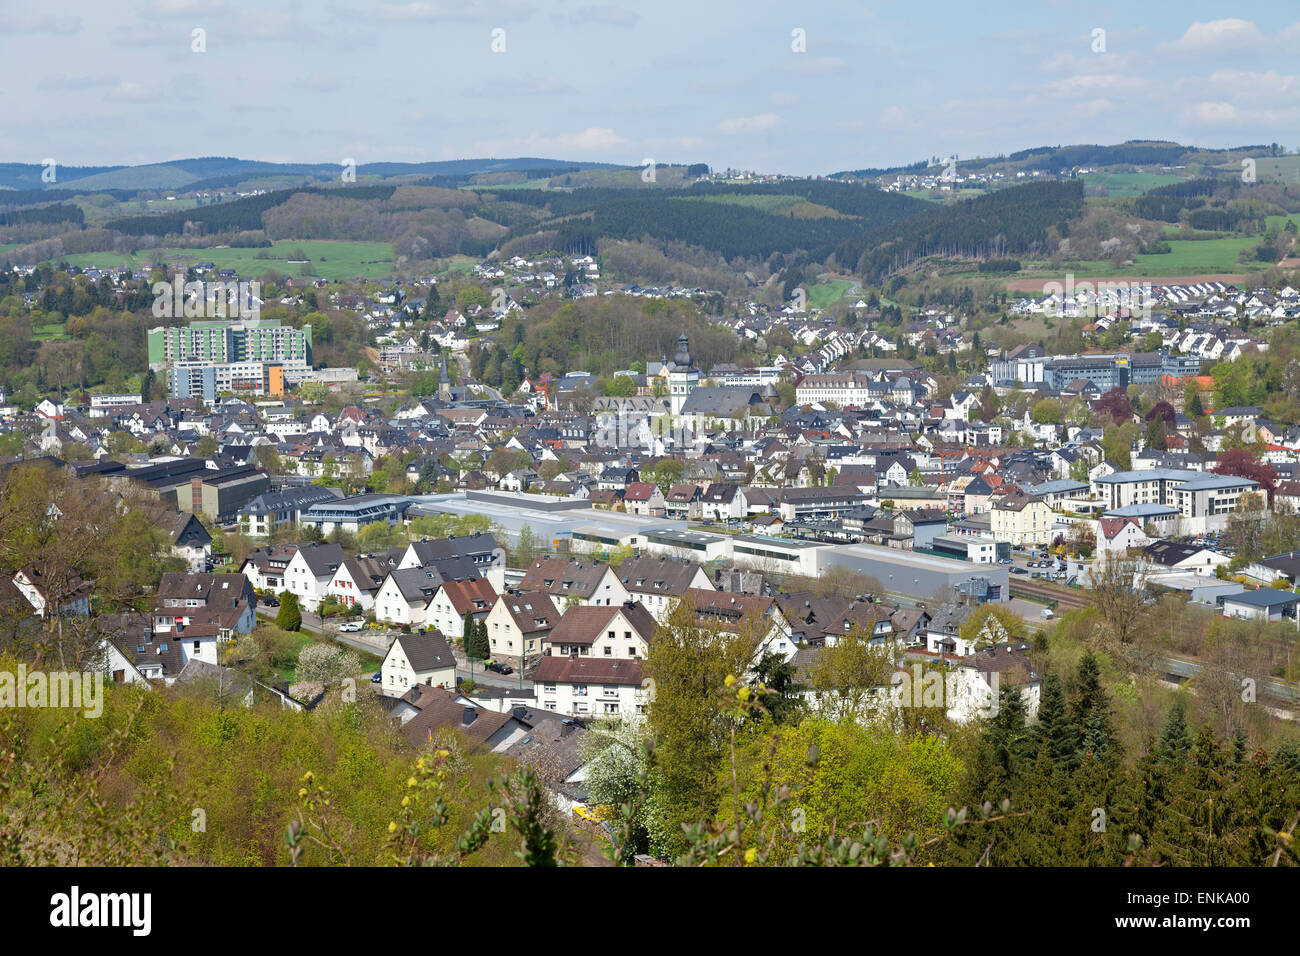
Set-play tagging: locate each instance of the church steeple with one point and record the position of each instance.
(683, 356)
(683, 376)
(444, 380)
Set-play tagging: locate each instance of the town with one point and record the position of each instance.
(785, 501)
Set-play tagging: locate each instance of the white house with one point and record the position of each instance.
(405, 595)
(310, 571)
(591, 686)
(423, 658)
(455, 599)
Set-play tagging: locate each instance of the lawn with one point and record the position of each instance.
(329, 259)
(53, 330)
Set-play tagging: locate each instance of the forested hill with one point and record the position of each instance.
(1010, 221)
(734, 221)
(186, 173)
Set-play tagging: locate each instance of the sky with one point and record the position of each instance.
(804, 88)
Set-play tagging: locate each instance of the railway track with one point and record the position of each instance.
(1037, 590)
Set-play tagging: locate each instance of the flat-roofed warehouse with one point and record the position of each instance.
(912, 574)
(550, 518)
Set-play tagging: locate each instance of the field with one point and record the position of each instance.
(822, 294)
(54, 330)
(1127, 184)
(96, 214)
(328, 259)
(1186, 258)
(939, 195)
(795, 206)
(1284, 169)
(1035, 286)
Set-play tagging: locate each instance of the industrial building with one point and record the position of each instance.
(556, 522)
(917, 575)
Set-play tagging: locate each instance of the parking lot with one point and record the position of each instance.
(1036, 564)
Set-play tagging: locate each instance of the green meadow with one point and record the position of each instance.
(328, 259)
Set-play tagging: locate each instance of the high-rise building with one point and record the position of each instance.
(218, 342)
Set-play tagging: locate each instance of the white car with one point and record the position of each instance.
(352, 625)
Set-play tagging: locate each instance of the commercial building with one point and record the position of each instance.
(194, 382)
(1203, 500)
(1104, 370)
(354, 513)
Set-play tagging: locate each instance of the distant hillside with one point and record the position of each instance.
(1011, 221)
(182, 172)
(1053, 159)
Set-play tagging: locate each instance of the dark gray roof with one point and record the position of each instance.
(427, 650)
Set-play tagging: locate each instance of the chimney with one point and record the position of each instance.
(468, 717)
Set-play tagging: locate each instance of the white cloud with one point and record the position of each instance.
(74, 84)
(591, 139)
(1215, 114)
(1093, 84)
(604, 14)
(817, 66)
(467, 10)
(1244, 83)
(892, 116)
(1228, 34)
(38, 23)
(750, 124)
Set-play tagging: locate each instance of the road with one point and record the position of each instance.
(367, 641)
(377, 643)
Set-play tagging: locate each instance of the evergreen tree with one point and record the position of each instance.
(289, 617)
(1175, 741)
(1054, 732)
(1090, 712)
(478, 646)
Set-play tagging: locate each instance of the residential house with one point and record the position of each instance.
(591, 686)
(420, 658)
(624, 631)
(519, 624)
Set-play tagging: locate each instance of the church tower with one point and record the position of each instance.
(444, 381)
(683, 376)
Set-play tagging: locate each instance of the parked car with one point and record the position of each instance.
(271, 602)
(1019, 571)
(376, 677)
(499, 668)
(1006, 561)
(352, 625)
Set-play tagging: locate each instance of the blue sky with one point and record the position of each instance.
(718, 82)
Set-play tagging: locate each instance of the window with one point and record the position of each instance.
(608, 650)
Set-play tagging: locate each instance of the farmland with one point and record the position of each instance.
(328, 259)
(1126, 184)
